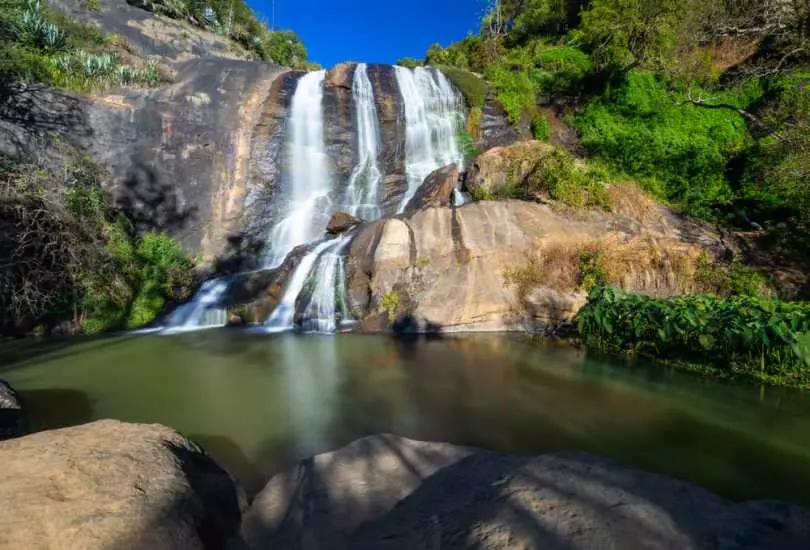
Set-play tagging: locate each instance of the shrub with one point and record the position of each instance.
(764, 339)
(557, 176)
(679, 152)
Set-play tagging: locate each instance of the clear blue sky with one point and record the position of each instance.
(373, 31)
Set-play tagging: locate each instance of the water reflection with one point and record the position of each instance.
(259, 402)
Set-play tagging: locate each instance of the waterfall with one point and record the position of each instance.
(201, 310)
(309, 186)
(362, 193)
(432, 118)
(283, 316)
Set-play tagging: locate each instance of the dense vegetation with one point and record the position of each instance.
(69, 257)
(760, 338)
(706, 104)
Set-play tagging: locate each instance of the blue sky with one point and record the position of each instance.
(373, 31)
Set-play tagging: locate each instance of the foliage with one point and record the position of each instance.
(557, 176)
(680, 152)
(540, 128)
(467, 143)
(69, 256)
(390, 304)
(409, 62)
(756, 337)
(591, 270)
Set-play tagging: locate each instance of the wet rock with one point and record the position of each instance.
(340, 76)
(437, 190)
(110, 484)
(342, 222)
(12, 415)
(504, 167)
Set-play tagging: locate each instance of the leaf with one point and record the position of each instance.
(706, 341)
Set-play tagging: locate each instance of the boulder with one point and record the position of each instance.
(495, 130)
(110, 484)
(340, 76)
(503, 167)
(390, 493)
(437, 189)
(325, 498)
(342, 222)
(12, 416)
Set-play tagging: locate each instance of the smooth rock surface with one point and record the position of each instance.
(437, 189)
(449, 267)
(392, 493)
(12, 415)
(110, 485)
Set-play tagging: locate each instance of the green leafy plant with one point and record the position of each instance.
(390, 304)
(760, 338)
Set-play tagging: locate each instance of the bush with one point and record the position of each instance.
(557, 176)
(760, 338)
(680, 152)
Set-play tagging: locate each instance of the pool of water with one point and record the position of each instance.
(259, 402)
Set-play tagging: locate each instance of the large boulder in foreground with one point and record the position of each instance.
(342, 222)
(12, 416)
(113, 485)
(485, 500)
(325, 498)
(437, 189)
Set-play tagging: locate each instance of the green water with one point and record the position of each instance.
(258, 402)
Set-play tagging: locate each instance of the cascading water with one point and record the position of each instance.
(202, 310)
(361, 197)
(309, 205)
(432, 118)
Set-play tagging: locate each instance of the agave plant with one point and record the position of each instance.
(44, 34)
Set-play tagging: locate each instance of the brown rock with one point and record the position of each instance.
(504, 167)
(437, 189)
(340, 76)
(12, 415)
(453, 265)
(113, 485)
(342, 222)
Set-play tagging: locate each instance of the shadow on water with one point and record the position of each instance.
(19, 353)
(58, 408)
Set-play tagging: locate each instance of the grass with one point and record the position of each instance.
(472, 87)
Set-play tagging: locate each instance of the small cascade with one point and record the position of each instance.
(309, 186)
(328, 298)
(283, 316)
(362, 193)
(432, 117)
(201, 311)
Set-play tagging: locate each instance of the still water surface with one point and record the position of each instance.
(258, 402)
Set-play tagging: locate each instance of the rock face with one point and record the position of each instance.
(177, 156)
(504, 166)
(113, 485)
(342, 222)
(495, 129)
(12, 416)
(386, 492)
(449, 268)
(437, 190)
